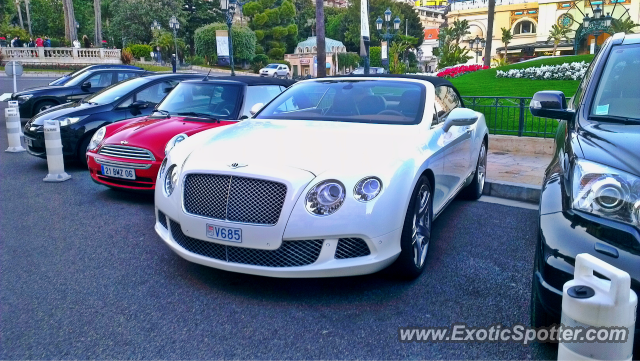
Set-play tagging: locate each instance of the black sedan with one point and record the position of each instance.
(590, 201)
(34, 100)
(135, 97)
(65, 78)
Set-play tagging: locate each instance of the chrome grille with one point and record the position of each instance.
(236, 199)
(290, 253)
(351, 248)
(126, 152)
(122, 164)
(162, 219)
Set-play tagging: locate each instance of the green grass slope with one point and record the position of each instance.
(485, 83)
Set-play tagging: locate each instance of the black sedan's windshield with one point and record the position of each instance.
(618, 93)
(116, 91)
(206, 100)
(363, 101)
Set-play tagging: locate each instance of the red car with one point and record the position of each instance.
(128, 154)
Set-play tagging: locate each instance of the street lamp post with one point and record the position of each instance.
(230, 7)
(155, 26)
(175, 25)
(387, 35)
(477, 45)
(419, 54)
(599, 23)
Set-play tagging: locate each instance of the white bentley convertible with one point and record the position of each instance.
(334, 177)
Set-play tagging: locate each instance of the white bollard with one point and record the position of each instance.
(53, 145)
(14, 104)
(589, 301)
(12, 118)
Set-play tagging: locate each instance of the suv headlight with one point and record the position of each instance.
(172, 143)
(606, 192)
(97, 138)
(170, 180)
(163, 166)
(71, 120)
(25, 97)
(367, 189)
(325, 198)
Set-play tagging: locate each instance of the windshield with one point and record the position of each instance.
(116, 91)
(212, 100)
(272, 66)
(618, 93)
(78, 79)
(362, 101)
(65, 78)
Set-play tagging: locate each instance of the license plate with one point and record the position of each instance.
(224, 233)
(116, 172)
(29, 142)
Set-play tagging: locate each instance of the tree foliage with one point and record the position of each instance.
(348, 60)
(449, 52)
(140, 50)
(274, 25)
(556, 34)
(623, 26)
(375, 56)
(244, 42)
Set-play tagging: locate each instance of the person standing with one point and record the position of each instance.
(39, 42)
(13, 42)
(47, 42)
(31, 43)
(19, 43)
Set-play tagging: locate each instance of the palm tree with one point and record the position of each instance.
(556, 34)
(487, 50)
(70, 30)
(459, 30)
(623, 26)
(97, 11)
(320, 41)
(506, 39)
(19, 13)
(26, 6)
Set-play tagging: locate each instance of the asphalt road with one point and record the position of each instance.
(84, 276)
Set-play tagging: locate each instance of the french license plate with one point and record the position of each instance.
(224, 233)
(29, 141)
(116, 172)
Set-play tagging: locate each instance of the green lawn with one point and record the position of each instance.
(42, 70)
(150, 67)
(485, 83)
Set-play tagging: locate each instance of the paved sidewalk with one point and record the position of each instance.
(517, 167)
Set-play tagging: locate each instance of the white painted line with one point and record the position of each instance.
(4, 97)
(508, 202)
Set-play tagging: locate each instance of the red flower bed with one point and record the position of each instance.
(459, 70)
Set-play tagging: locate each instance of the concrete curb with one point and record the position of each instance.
(39, 75)
(514, 191)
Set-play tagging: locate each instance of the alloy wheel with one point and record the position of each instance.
(421, 225)
(482, 166)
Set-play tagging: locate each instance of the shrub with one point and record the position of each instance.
(140, 50)
(566, 71)
(375, 56)
(196, 60)
(244, 42)
(459, 70)
(126, 57)
(276, 53)
(258, 62)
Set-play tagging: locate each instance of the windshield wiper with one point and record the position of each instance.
(201, 115)
(163, 112)
(614, 119)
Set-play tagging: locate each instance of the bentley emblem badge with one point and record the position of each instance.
(237, 165)
(124, 142)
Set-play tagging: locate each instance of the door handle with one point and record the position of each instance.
(468, 131)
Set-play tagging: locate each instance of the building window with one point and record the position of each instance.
(299, 50)
(306, 49)
(524, 27)
(315, 50)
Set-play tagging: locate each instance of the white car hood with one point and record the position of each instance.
(314, 146)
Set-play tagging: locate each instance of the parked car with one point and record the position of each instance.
(34, 100)
(276, 70)
(65, 78)
(132, 98)
(372, 70)
(590, 200)
(334, 177)
(128, 154)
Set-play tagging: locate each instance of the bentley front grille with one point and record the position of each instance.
(236, 199)
(351, 248)
(290, 253)
(126, 152)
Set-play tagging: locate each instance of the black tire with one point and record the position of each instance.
(410, 264)
(474, 190)
(82, 151)
(539, 315)
(43, 105)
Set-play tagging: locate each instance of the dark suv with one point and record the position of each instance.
(590, 201)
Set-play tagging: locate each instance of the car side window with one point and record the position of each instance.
(100, 80)
(123, 76)
(445, 101)
(259, 94)
(577, 98)
(154, 93)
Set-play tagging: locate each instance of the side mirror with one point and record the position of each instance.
(86, 85)
(550, 104)
(460, 117)
(139, 104)
(256, 108)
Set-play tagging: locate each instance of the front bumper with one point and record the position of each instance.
(566, 234)
(34, 139)
(25, 108)
(146, 172)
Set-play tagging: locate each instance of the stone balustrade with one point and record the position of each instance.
(62, 55)
(477, 4)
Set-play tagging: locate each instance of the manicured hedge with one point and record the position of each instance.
(244, 42)
(141, 50)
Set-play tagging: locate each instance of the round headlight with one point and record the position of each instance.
(367, 189)
(172, 143)
(97, 138)
(170, 180)
(635, 213)
(610, 193)
(325, 198)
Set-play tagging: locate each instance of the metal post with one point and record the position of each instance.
(367, 41)
(175, 41)
(15, 87)
(521, 117)
(233, 73)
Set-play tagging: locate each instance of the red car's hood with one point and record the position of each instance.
(153, 134)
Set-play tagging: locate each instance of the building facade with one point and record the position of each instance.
(304, 58)
(531, 21)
